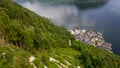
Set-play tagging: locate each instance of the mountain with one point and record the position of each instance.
(28, 40)
(51, 2)
(89, 4)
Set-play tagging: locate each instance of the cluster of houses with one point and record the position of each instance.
(93, 38)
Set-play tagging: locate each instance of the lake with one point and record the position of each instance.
(103, 17)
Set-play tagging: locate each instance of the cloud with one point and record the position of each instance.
(62, 15)
(86, 21)
(56, 13)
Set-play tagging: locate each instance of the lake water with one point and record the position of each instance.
(104, 18)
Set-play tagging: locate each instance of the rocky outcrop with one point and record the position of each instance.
(31, 59)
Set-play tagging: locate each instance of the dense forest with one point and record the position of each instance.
(26, 33)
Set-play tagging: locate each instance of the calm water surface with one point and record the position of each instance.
(104, 18)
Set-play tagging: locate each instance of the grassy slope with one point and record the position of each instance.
(90, 57)
(37, 36)
(17, 58)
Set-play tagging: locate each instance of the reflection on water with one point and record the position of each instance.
(105, 19)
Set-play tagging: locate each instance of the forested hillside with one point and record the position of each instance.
(24, 33)
(25, 29)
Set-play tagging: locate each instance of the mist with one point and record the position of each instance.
(63, 15)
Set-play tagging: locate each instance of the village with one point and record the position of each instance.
(93, 38)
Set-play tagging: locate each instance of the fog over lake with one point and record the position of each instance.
(104, 18)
